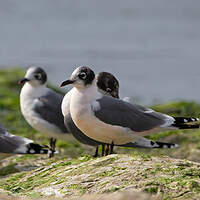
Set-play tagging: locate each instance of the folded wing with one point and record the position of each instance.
(49, 108)
(137, 118)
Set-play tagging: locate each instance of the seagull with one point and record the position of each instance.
(41, 106)
(14, 144)
(112, 121)
(108, 85)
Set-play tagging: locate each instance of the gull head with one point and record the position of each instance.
(80, 78)
(36, 76)
(108, 84)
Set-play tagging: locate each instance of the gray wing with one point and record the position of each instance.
(141, 143)
(137, 118)
(49, 108)
(9, 143)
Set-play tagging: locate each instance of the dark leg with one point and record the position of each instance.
(53, 146)
(103, 150)
(96, 152)
(111, 148)
(107, 149)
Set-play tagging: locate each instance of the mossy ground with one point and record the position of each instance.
(162, 177)
(73, 173)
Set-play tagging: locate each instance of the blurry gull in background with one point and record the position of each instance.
(13, 144)
(41, 106)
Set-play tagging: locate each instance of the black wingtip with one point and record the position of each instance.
(183, 120)
(38, 149)
(182, 123)
(186, 126)
(166, 145)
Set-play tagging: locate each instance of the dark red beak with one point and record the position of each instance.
(67, 82)
(24, 80)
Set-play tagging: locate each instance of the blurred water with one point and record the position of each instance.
(153, 47)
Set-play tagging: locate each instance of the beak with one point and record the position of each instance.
(24, 80)
(67, 82)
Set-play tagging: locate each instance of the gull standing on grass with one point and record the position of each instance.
(108, 85)
(41, 106)
(113, 121)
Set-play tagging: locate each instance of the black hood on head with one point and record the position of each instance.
(40, 75)
(108, 83)
(90, 75)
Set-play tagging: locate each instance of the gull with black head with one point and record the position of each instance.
(108, 85)
(110, 120)
(41, 106)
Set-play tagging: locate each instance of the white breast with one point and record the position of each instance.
(83, 117)
(66, 103)
(28, 97)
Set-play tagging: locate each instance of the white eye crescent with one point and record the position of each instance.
(38, 76)
(83, 75)
(108, 90)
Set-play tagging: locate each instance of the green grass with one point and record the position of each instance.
(9, 169)
(179, 108)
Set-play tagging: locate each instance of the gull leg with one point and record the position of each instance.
(96, 152)
(103, 150)
(107, 149)
(53, 146)
(111, 148)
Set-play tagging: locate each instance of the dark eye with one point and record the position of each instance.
(38, 76)
(82, 75)
(108, 90)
